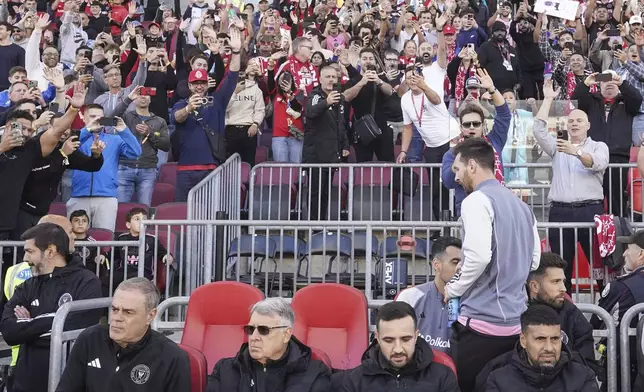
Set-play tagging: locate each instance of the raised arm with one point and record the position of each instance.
(50, 138)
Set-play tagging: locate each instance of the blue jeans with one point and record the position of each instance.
(416, 147)
(287, 149)
(140, 181)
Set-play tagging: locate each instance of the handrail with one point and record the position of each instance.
(625, 332)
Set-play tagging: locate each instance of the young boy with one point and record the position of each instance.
(91, 256)
(131, 259)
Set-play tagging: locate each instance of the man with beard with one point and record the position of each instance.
(540, 362)
(397, 358)
(530, 56)
(499, 58)
(500, 247)
(578, 166)
(504, 15)
(603, 18)
(72, 37)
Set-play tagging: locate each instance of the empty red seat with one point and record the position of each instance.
(217, 313)
(162, 193)
(168, 173)
(321, 356)
(178, 211)
(198, 368)
(333, 318)
(442, 358)
(58, 209)
(121, 213)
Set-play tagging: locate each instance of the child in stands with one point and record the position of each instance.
(93, 259)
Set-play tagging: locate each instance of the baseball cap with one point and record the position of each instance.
(635, 19)
(498, 25)
(473, 82)
(198, 75)
(154, 24)
(636, 238)
(449, 30)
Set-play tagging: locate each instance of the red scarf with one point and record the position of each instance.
(571, 84)
(498, 171)
(451, 53)
(461, 76)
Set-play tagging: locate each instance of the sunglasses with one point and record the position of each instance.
(471, 124)
(262, 329)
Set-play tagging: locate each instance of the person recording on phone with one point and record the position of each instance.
(117, 99)
(578, 166)
(97, 192)
(161, 78)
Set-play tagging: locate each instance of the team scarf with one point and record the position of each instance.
(571, 84)
(498, 171)
(461, 76)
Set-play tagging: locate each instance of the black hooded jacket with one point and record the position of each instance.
(567, 375)
(325, 133)
(42, 296)
(294, 372)
(421, 374)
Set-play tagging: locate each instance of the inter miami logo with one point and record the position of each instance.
(140, 374)
(64, 299)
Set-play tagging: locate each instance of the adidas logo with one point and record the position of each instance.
(95, 363)
(35, 303)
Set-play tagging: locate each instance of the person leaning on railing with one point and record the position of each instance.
(578, 165)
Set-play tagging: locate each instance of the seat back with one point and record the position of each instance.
(101, 234)
(217, 313)
(57, 208)
(169, 241)
(162, 193)
(176, 210)
(444, 359)
(168, 173)
(333, 318)
(121, 213)
(198, 368)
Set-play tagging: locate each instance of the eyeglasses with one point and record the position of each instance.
(308, 47)
(262, 329)
(471, 124)
(114, 75)
(392, 59)
(50, 54)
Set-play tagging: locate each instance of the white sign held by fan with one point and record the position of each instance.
(565, 9)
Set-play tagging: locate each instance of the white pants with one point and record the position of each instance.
(101, 210)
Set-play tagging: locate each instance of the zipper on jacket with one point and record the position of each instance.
(398, 381)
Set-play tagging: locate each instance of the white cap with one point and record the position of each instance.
(635, 19)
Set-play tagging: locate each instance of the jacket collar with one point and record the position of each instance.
(374, 362)
(295, 359)
(538, 376)
(131, 349)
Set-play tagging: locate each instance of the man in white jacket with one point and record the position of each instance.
(72, 37)
(50, 55)
(244, 114)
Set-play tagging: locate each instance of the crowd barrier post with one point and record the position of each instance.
(57, 353)
(625, 332)
(610, 333)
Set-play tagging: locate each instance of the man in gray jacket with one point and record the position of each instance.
(117, 99)
(139, 175)
(500, 248)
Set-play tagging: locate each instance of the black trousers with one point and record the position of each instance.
(25, 222)
(319, 193)
(531, 84)
(440, 194)
(382, 146)
(472, 350)
(238, 141)
(615, 186)
(566, 249)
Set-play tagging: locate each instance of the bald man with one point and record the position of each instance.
(65, 224)
(578, 165)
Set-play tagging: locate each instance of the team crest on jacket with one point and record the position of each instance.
(64, 299)
(140, 374)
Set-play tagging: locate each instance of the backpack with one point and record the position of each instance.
(623, 228)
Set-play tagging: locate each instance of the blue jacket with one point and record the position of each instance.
(48, 95)
(497, 139)
(472, 36)
(104, 182)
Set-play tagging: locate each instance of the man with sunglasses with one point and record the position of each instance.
(472, 119)
(272, 359)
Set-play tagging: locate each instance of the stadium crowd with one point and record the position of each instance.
(96, 96)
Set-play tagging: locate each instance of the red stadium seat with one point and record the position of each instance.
(444, 359)
(217, 312)
(168, 173)
(634, 189)
(198, 368)
(101, 234)
(176, 211)
(162, 193)
(321, 356)
(58, 209)
(333, 318)
(121, 213)
(171, 247)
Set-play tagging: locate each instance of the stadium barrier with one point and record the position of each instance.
(62, 341)
(625, 333)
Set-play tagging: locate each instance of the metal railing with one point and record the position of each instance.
(625, 332)
(60, 339)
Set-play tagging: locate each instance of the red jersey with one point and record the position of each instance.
(304, 74)
(281, 120)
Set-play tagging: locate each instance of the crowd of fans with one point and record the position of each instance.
(96, 93)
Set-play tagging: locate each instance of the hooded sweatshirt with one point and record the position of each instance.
(246, 106)
(71, 38)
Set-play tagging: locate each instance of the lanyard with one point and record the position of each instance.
(422, 109)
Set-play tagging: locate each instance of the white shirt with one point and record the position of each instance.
(434, 77)
(435, 125)
(399, 44)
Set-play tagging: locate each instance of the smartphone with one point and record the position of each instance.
(16, 130)
(88, 55)
(613, 32)
(148, 91)
(108, 122)
(618, 47)
(89, 69)
(243, 16)
(370, 67)
(337, 87)
(470, 46)
(314, 32)
(107, 29)
(563, 135)
(287, 78)
(569, 45)
(211, 12)
(53, 107)
(603, 77)
(32, 84)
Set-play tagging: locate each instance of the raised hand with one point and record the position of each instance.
(43, 22)
(71, 145)
(77, 100)
(486, 79)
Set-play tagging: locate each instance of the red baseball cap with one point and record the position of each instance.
(449, 30)
(198, 75)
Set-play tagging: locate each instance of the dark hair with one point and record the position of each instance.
(293, 88)
(25, 100)
(78, 214)
(16, 114)
(135, 211)
(466, 11)
(46, 234)
(324, 62)
(548, 260)
(539, 314)
(395, 310)
(509, 90)
(8, 25)
(421, 13)
(391, 51)
(566, 32)
(442, 243)
(471, 108)
(83, 47)
(477, 149)
(16, 69)
(369, 50)
(92, 106)
(196, 55)
(356, 38)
